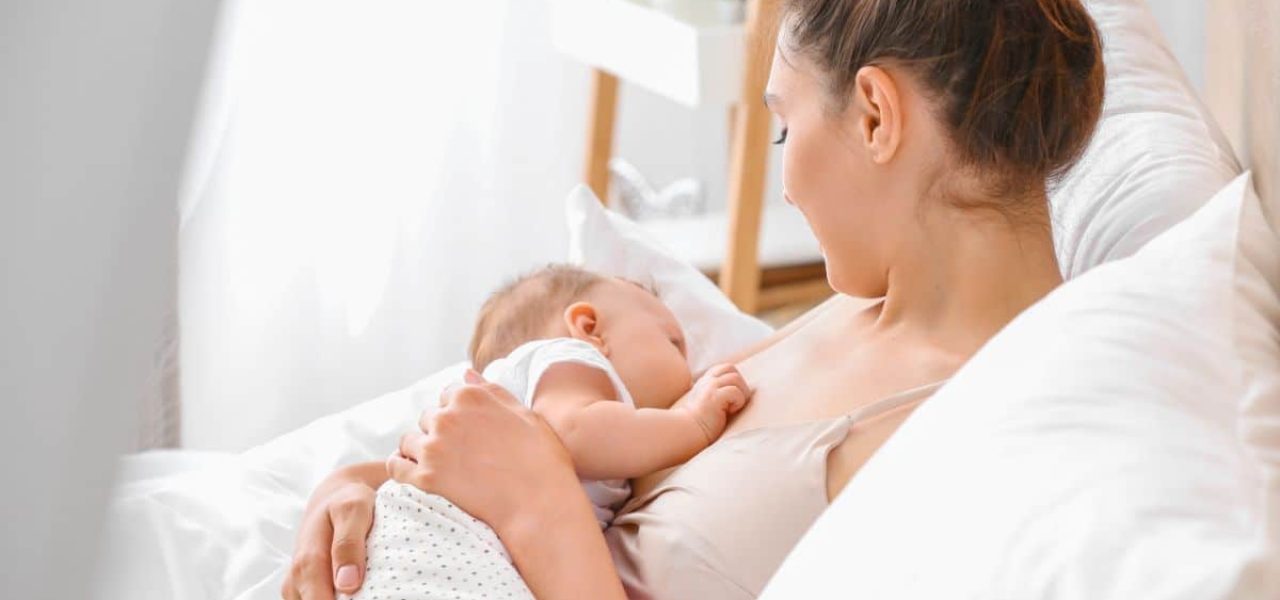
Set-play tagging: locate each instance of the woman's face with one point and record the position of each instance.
(844, 171)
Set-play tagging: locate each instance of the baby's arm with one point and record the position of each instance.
(611, 440)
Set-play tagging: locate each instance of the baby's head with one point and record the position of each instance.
(625, 321)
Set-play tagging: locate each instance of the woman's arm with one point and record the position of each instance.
(504, 465)
(558, 548)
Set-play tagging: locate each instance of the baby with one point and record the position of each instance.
(602, 360)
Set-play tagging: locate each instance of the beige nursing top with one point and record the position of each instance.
(719, 526)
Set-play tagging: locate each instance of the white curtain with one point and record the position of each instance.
(363, 174)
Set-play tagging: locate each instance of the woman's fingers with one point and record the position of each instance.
(315, 583)
(399, 467)
(445, 395)
(408, 472)
(309, 576)
(352, 516)
(289, 591)
(413, 444)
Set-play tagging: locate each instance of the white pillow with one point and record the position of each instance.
(1092, 449)
(1155, 158)
(606, 242)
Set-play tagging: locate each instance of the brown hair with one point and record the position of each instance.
(526, 309)
(1018, 83)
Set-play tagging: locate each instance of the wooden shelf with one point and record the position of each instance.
(693, 56)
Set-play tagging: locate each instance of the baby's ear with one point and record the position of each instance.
(583, 324)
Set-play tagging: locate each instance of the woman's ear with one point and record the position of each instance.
(583, 324)
(879, 118)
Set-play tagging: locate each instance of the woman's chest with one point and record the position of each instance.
(821, 371)
(724, 521)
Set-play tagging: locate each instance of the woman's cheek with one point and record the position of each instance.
(803, 174)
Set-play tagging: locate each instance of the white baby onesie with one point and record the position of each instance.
(422, 547)
(520, 372)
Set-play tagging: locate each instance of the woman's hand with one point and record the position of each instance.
(494, 459)
(487, 454)
(330, 552)
(502, 464)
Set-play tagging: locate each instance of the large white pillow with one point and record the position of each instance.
(604, 241)
(1091, 450)
(1156, 156)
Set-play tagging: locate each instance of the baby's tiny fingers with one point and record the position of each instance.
(731, 398)
(734, 379)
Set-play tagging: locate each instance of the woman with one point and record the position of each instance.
(919, 139)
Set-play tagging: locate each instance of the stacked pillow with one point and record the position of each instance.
(1156, 156)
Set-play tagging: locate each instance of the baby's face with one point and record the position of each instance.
(643, 341)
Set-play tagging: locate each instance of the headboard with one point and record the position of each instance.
(1242, 85)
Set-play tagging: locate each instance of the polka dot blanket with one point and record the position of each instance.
(422, 547)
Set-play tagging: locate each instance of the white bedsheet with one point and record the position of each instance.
(210, 525)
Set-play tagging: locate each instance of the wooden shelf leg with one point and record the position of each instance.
(740, 275)
(603, 109)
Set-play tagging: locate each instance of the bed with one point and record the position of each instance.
(213, 525)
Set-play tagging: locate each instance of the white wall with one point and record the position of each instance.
(95, 106)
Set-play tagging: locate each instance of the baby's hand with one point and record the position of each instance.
(720, 392)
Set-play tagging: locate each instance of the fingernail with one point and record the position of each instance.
(472, 377)
(348, 576)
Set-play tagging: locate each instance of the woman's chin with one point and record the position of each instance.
(854, 285)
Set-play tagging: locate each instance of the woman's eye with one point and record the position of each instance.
(781, 137)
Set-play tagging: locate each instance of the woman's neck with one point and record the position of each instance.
(969, 274)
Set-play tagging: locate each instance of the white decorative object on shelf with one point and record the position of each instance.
(685, 50)
(640, 200)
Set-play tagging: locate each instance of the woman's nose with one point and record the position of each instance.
(787, 197)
